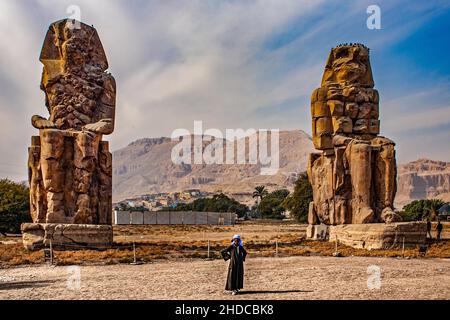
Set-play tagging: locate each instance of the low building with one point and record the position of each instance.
(444, 212)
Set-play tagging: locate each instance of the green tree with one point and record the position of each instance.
(14, 206)
(218, 203)
(298, 202)
(260, 192)
(432, 206)
(420, 209)
(123, 206)
(270, 206)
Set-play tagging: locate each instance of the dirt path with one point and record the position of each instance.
(266, 278)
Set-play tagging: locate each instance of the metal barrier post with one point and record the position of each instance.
(336, 252)
(403, 248)
(51, 252)
(276, 248)
(336, 245)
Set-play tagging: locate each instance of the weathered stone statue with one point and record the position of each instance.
(354, 177)
(70, 167)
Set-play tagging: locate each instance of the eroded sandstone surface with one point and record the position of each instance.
(354, 175)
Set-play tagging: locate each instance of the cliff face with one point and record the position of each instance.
(423, 179)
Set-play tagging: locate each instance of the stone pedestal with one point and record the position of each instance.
(380, 235)
(66, 236)
(317, 232)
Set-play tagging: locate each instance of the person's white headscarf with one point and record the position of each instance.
(240, 243)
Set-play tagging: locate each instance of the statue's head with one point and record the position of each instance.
(348, 65)
(74, 68)
(70, 44)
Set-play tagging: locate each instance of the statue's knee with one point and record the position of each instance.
(51, 134)
(360, 147)
(86, 136)
(387, 152)
(383, 142)
(52, 143)
(87, 143)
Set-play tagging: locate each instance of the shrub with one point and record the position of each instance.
(298, 202)
(270, 206)
(218, 203)
(421, 209)
(14, 206)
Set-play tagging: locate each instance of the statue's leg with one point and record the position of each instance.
(312, 215)
(105, 184)
(52, 149)
(358, 155)
(385, 176)
(38, 203)
(342, 188)
(85, 162)
(320, 173)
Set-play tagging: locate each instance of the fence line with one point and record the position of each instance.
(209, 249)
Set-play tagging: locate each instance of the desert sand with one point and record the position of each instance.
(266, 278)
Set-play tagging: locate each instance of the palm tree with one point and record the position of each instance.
(260, 192)
(432, 206)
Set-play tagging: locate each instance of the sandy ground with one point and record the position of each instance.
(255, 232)
(265, 278)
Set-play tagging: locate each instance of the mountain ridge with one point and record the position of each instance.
(144, 166)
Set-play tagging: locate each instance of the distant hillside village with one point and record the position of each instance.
(279, 204)
(161, 201)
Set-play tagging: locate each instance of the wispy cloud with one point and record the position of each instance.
(429, 118)
(427, 109)
(248, 64)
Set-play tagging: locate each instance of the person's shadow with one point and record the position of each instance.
(24, 284)
(272, 291)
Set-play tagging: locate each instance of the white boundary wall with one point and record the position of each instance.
(174, 218)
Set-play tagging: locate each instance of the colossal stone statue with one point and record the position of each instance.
(70, 167)
(354, 177)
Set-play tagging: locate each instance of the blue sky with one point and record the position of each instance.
(234, 64)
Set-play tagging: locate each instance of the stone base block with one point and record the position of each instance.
(36, 236)
(380, 235)
(317, 231)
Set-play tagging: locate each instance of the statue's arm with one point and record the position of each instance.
(107, 109)
(104, 126)
(322, 126)
(41, 123)
(340, 140)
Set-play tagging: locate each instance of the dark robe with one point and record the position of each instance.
(235, 279)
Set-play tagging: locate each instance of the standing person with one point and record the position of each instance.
(236, 254)
(439, 230)
(429, 228)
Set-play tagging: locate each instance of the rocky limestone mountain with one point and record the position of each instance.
(423, 179)
(145, 167)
